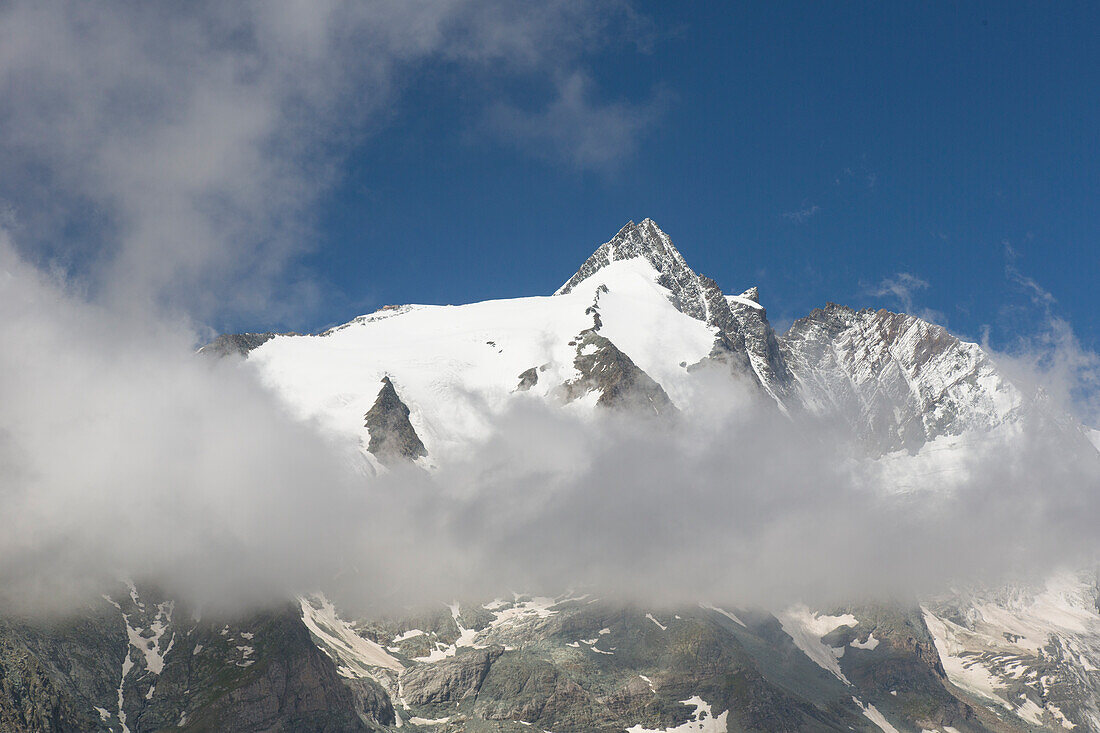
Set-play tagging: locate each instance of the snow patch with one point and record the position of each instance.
(725, 613)
(964, 671)
(354, 655)
(739, 300)
(410, 634)
(466, 638)
(872, 714)
(870, 645)
(702, 720)
(1094, 437)
(806, 628)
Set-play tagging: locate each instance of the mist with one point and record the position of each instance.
(122, 453)
(187, 152)
(752, 510)
(125, 454)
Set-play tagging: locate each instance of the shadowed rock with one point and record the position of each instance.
(528, 379)
(392, 436)
(237, 344)
(451, 680)
(620, 382)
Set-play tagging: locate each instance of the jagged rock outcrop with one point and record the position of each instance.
(745, 343)
(451, 680)
(237, 344)
(896, 380)
(646, 240)
(762, 346)
(392, 436)
(620, 383)
(528, 379)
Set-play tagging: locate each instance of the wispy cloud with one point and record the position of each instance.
(1044, 349)
(161, 169)
(860, 174)
(901, 287)
(172, 156)
(1039, 295)
(577, 127)
(800, 216)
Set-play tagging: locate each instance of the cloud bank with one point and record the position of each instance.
(160, 164)
(123, 453)
(170, 155)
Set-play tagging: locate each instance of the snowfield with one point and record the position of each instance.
(458, 366)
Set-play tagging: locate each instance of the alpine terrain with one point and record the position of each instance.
(637, 332)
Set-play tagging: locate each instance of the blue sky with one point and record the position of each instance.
(287, 165)
(813, 149)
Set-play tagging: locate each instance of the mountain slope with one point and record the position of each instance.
(898, 380)
(637, 334)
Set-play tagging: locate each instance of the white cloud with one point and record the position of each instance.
(573, 125)
(1039, 295)
(901, 287)
(195, 139)
(121, 453)
(800, 216)
(159, 166)
(1045, 351)
(172, 154)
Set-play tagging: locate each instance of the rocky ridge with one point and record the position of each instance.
(392, 437)
(899, 381)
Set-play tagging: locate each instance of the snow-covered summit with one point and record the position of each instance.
(458, 367)
(899, 382)
(648, 242)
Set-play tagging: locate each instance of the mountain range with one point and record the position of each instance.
(635, 333)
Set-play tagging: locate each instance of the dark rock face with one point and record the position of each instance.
(523, 687)
(392, 437)
(292, 687)
(237, 344)
(528, 379)
(63, 668)
(31, 699)
(620, 382)
(372, 703)
(451, 680)
(902, 676)
(88, 672)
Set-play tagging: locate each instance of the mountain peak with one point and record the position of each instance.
(645, 240)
